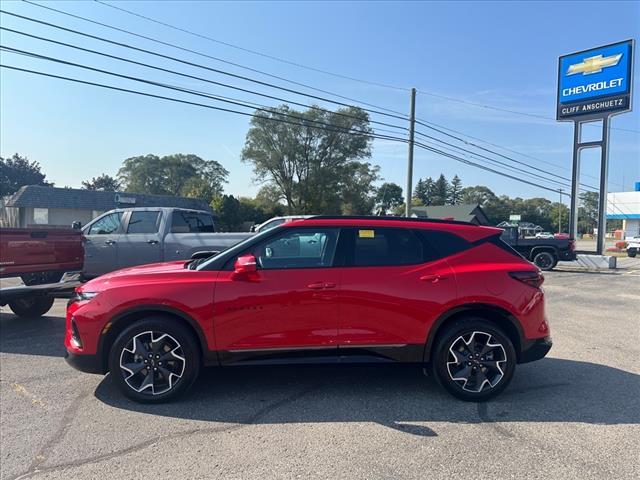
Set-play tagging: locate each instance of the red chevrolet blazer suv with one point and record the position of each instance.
(448, 295)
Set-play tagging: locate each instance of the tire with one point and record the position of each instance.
(153, 336)
(40, 278)
(545, 261)
(31, 307)
(494, 372)
(631, 254)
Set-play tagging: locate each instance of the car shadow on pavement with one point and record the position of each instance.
(550, 390)
(32, 336)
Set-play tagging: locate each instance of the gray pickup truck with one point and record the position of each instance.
(134, 236)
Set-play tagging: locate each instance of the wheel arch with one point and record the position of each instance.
(492, 313)
(121, 321)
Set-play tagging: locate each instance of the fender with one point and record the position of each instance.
(485, 307)
(209, 357)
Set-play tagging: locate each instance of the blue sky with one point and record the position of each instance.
(491, 53)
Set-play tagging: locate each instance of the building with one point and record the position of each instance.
(35, 205)
(625, 206)
(463, 213)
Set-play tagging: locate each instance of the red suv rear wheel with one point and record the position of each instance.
(473, 359)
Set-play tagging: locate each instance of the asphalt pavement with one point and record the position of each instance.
(574, 414)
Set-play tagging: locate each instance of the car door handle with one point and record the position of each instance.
(152, 242)
(433, 278)
(110, 242)
(321, 285)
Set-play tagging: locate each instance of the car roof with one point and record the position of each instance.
(469, 231)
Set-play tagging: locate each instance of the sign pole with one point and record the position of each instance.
(575, 182)
(602, 200)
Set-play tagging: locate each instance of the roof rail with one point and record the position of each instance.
(389, 217)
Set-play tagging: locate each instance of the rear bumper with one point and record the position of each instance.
(85, 363)
(535, 350)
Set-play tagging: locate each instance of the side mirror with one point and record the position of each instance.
(245, 264)
(76, 225)
(204, 254)
(253, 228)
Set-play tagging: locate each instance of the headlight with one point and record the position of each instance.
(83, 296)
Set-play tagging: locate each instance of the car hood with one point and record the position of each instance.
(136, 274)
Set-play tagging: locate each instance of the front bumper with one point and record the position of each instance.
(85, 363)
(536, 350)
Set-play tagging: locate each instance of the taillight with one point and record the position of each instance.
(572, 245)
(532, 278)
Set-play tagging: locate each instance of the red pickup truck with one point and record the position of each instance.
(38, 256)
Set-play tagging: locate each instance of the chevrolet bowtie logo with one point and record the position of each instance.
(594, 64)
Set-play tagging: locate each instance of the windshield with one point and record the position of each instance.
(236, 248)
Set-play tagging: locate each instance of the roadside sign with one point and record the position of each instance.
(515, 218)
(596, 81)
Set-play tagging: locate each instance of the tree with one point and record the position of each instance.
(440, 192)
(227, 210)
(588, 212)
(17, 171)
(312, 168)
(479, 194)
(455, 191)
(178, 174)
(104, 183)
(424, 191)
(389, 197)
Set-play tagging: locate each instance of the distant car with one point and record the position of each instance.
(328, 290)
(633, 246)
(544, 235)
(561, 235)
(275, 221)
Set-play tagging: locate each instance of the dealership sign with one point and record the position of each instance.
(595, 82)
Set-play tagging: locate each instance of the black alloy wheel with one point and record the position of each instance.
(474, 360)
(154, 360)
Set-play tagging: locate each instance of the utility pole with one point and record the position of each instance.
(560, 213)
(412, 126)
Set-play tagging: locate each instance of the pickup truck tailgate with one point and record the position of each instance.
(28, 250)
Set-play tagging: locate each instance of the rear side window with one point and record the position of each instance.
(441, 244)
(382, 247)
(191, 222)
(143, 222)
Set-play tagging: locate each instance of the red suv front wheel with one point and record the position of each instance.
(154, 360)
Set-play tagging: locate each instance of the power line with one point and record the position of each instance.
(112, 87)
(490, 151)
(426, 124)
(505, 110)
(183, 90)
(255, 52)
(187, 102)
(226, 99)
(483, 167)
(194, 77)
(229, 86)
(195, 52)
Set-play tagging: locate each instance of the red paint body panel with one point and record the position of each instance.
(302, 308)
(167, 285)
(27, 250)
(276, 308)
(392, 305)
